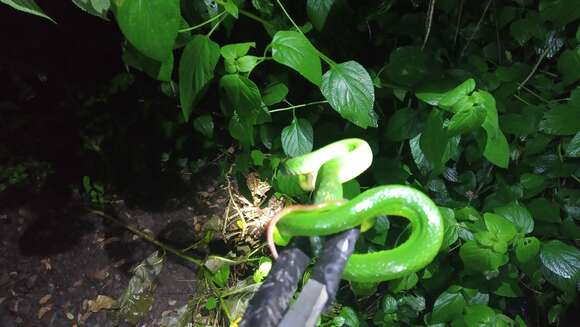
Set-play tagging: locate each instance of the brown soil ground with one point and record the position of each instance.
(56, 256)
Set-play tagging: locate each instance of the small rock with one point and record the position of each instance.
(43, 311)
(100, 275)
(45, 299)
(31, 281)
(171, 302)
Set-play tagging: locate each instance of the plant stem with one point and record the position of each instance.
(290, 18)
(476, 29)
(525, 88)
(535, 67)
(149, 238)
(428, 23)
(218, 16)
(216, 26)
(299, 106)
(256, 18)
(522, 100)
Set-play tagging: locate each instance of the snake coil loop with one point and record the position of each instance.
(323, 171)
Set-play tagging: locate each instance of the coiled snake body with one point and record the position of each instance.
(324, 171)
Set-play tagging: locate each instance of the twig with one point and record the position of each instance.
(477, 27)
(542, 56)
(458, 22)
(148, 238)
(428, 22)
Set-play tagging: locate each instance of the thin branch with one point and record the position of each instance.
(458, 22)
(299, 106)
(428, 22)
(477, 27)
(218, 16)
(542, 56)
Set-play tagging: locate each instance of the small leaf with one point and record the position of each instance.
(466, 120)
(257, 157)
(496, 146)
(518, 215)
(560, 12)
(447, 307)
(220, 278)
(480, 259)
(231, 8)
(545, 210)
(434, 140)
(500, 227)
(562, 119)
(404, 124)
(403, 284)
(569, 66)
(274, 93)
(450, 223)
(97, 8)
(27, 6)
(242, 94)
(294, 50)
(350, 91)
(264, 267)
(236, 50)
(204, 125)
(479, 315)
(449, 99)
(349, 317)
(297, 139)
(196, 69)
(573, 148)
(150, 25)
(242, 130)
(409, 66)
(527, 249)
(317, 11)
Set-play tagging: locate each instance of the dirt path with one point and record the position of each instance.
(55, 261)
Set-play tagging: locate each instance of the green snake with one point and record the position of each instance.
(323, 171)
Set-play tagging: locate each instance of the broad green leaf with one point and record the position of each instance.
(518, 215)
(242, 94)
(196, 70)
(409, 67)
(569, 65)
(231, 8)
(404, 124)
(274, 93)
(499, 226)
(434, 139)
(466, 120)
(508, 288)
(404, 283)
(220, 277)
(479, 315)
(562, 260)
(27, 6)
(161, 71)
(447, 307)
(562, 119)
(349, 317)
(520, 124)
(450, 231)
(573, 148)
(527, 249)
(236, 50)
(97, 8)
(257, 158)
(545, 210)
(496, 146)
(150, 25)
(533, 184)
(522, 30)
(449, 99)
(297, 138)
(245, 64)
(204, 125)
(264, 6)
(317, 11)
(242, 130)
(294, 50)
(350, 91)
(480, 259)
(560, 12)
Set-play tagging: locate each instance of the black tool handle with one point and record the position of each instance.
(271, 300)
(328, 269)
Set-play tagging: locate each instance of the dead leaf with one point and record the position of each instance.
(43, 311)
(44, 299)
(102, 302)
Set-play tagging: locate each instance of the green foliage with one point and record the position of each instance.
(482, 113)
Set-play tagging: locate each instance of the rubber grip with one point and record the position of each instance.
(329, 267)
(270, 302)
